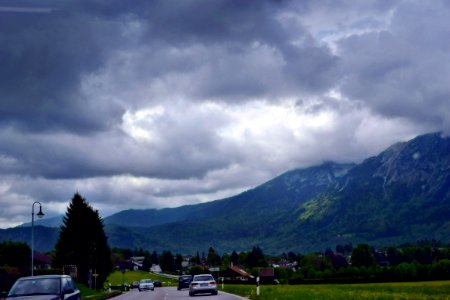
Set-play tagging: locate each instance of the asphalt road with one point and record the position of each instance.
(169, 293)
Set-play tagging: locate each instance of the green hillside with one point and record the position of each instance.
(400, 195)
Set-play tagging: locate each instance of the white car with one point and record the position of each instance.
(146, 284)
(203, 283)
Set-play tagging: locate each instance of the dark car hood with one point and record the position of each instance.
(35, 297)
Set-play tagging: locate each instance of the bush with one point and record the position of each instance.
(8, 275)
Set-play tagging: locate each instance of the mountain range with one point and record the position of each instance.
(401, 195)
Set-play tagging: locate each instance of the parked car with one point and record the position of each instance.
(184, 281)
(44, 287)
(135, 285)
(146, 284)
(157, 283)
(203, 283)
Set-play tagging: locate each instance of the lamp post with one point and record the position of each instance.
(40, 214)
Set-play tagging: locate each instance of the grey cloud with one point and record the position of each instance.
(401, 72)
(186, 145)
(44, 57)
(72, 71)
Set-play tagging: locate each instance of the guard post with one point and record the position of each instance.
(257, 286)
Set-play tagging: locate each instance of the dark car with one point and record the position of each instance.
(184, 281)
(44, 287)
(157, 283)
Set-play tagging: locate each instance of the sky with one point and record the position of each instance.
(144, 104)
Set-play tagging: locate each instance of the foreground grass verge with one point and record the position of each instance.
(117, 278)
(87, 293)
(433, 290)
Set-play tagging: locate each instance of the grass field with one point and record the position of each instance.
(117, 278)
(433, 290)
(377, 291)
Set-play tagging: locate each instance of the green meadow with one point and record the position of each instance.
(435, 290)
(373, 291)
(117, 278)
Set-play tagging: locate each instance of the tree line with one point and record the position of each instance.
(83, 243)
(425, 260)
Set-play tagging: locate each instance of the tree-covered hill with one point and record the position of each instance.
(400, 195)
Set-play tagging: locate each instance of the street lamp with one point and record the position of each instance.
(40, 214)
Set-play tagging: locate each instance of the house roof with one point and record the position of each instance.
(240, 271)
(266, 272)
(42, 258)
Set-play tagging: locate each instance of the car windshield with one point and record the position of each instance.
(203, 278)
(146, 281)
(41, 286)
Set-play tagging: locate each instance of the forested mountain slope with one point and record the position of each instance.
(400, 195)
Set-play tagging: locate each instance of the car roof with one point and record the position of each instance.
(44, 277)
(198, 275)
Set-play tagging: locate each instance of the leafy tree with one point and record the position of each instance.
(195, 270)
(441, 269)
(405, 271)
(256, 258)
(242, 258)
(8, 275)
(82, 242)
(362, 256)
(14, 263)
(16, 254)
(225, 260)
(313, 263)
(394, 256)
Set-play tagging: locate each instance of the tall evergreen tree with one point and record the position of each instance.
(154, 258)
(234, 258)
(213, 259)
(256, 258)
(167, 261)
(82, 242)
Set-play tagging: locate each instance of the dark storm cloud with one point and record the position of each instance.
(171, 102)
(183, 148)
(44, 56)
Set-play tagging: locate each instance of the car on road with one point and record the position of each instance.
(203, 283)
(184, 281)
(146, 284)
(44, 287)
(135, 285)
(157, 283)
